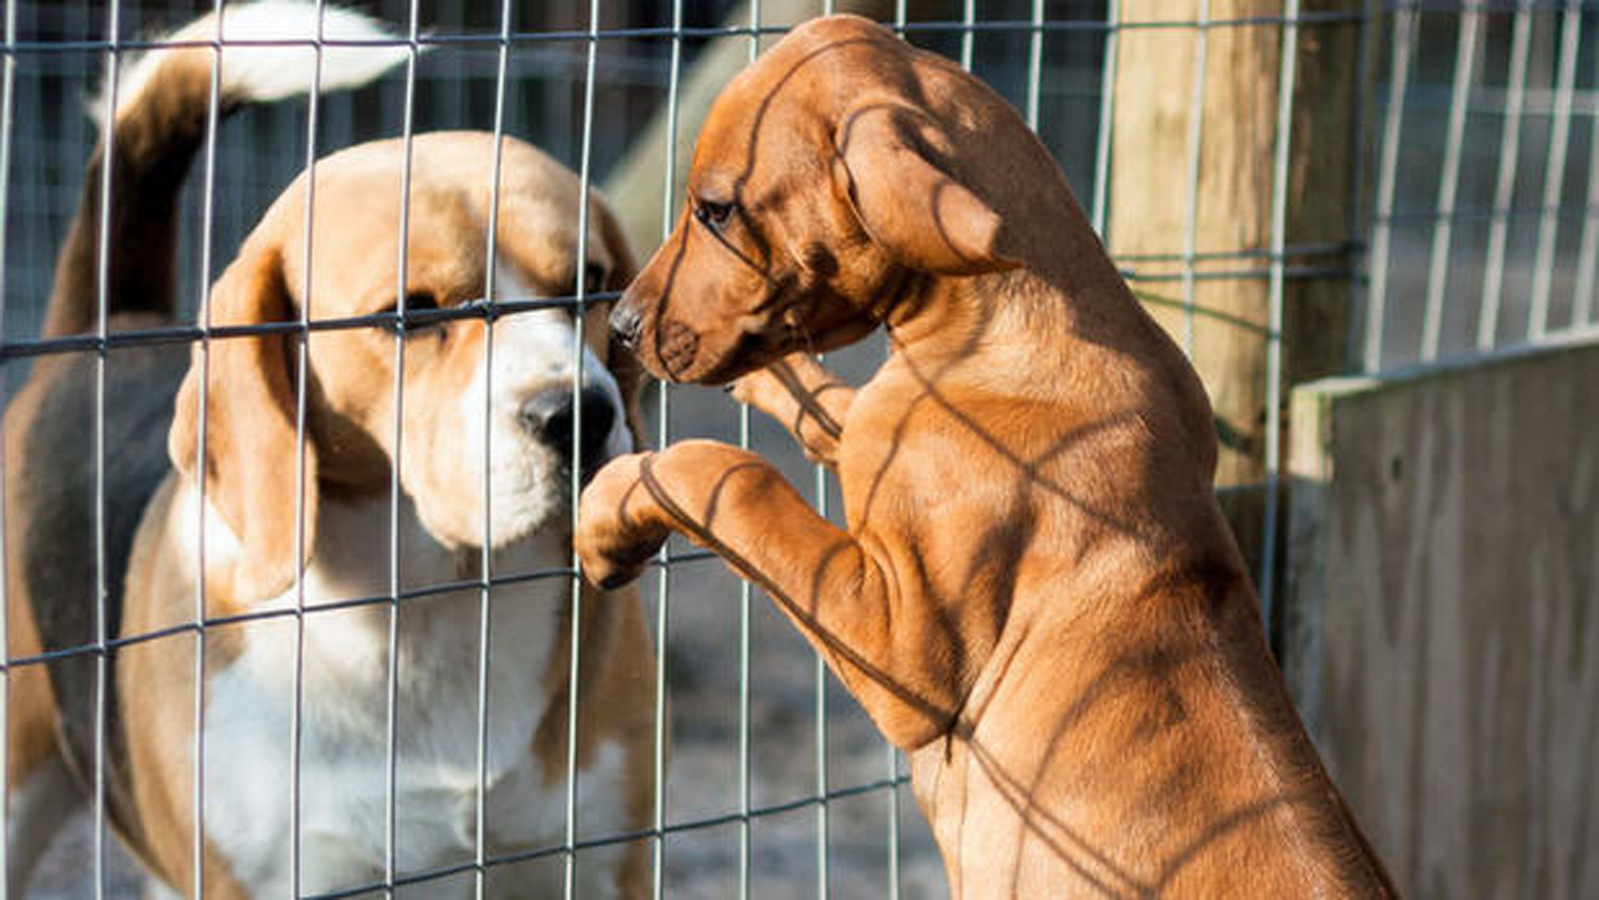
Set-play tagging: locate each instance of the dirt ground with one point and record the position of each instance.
(703, 668)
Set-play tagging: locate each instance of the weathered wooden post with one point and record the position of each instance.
(1191, 176)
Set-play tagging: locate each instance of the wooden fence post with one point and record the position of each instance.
(1153, 226)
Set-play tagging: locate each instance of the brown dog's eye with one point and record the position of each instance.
(713, 215)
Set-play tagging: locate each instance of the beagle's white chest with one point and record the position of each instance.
(340, 776)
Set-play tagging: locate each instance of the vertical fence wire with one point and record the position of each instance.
(819, 665)
(1555, 172)
(890, 752)
(486, 554)
(1196, 132)
(1107, 112)
(1358, 221)
(819, 690)
(1287, 75)
(968, 20)
(583, 213)
(207, 236)
(1505, 184)
(892, 795)
(1404, 26)
(1467, 38)
(663, 394)
(391, 725)
(302, 370)
(102, 690)
(745, 847)
(1588, 251)
(8, 81)
(1035, 61)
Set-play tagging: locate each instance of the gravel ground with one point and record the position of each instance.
(703, 666)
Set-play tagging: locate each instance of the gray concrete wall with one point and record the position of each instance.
(1443, 604)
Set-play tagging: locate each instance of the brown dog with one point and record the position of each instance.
(1037, 596)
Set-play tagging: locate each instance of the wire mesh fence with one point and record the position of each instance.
(1482, 232)
(1474, 166)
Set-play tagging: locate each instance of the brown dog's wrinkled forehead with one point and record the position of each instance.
(820, 69)
(820, 77)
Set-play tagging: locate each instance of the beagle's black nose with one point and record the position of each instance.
(548, 416)
(626, 322)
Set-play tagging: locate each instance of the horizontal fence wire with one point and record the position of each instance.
(1496, 248)
(702, 33)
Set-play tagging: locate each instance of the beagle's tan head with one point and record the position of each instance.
(831, 179)
(482, 427)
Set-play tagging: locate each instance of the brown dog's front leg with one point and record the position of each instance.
(733, 502)
(806, 398)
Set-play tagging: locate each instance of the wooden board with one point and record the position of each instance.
(1443, 611)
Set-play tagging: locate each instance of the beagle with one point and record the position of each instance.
(1036, 596)
(286, 483)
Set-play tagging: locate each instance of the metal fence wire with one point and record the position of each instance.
(1473, 225)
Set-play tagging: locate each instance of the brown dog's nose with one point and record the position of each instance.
(625, 323)
(548, 417)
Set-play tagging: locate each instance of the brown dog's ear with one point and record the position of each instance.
(910, 198)
(251, 473)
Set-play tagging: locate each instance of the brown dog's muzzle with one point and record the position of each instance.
(678, 348)
(674, 346)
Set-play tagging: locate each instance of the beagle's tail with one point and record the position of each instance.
(163, 107)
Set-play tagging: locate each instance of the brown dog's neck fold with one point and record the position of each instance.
(1075, 312)
(1094, 351)
(1056, 270)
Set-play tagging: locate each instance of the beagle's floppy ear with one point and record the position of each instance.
(908, 194)
(251, 475)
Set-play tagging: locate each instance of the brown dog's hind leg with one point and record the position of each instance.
(811, 402)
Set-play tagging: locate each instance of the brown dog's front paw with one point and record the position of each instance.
(617, 531)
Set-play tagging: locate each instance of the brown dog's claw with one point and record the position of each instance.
(612, 576)
(616, 569)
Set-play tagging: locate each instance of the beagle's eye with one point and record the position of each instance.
(713, 215)
(413, 312)
(420, 301)
(593, 278)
